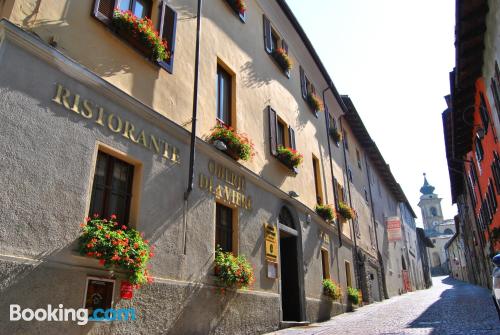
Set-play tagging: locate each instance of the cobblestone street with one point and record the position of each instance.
(449, 307)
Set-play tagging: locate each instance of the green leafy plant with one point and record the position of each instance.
(353, 295)
(315, 102)
(290, 157)
(345, 211)
(283, 59)
(326, 211)
(332, 289)
(142, 30)
(114, 244)
(239, 6)
(335, 134)
(233, 271)
(239, 146)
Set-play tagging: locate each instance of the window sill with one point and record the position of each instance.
(293, 171)
(275, 61)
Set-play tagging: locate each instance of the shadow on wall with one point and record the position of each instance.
(460, 301)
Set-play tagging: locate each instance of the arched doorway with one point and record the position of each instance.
(290, 288)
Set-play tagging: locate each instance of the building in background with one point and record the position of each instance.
(455, 255)
(471, 125)
(436, 228)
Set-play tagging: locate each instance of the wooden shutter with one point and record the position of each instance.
(103, 10)
(272, 130)
(267, 35)
(167, 27)
(303, 88)
(291, 138)
(284, 45)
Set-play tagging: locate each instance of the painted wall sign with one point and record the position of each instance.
(393, 225)
(88, 110)
(271, 240)
(225, 185)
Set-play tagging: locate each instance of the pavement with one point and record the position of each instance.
(448, 307)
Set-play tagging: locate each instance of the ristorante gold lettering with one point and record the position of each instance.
(116, 124)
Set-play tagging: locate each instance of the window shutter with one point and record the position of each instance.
(103, 10)
(303, 83)
(272, 130)
(267, 35)
(284, 45)
(167, 26)
(291, 138)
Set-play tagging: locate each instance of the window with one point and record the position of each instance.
(223, 96)
(317, 180)
(355, 223)
(235, 6)
(306, 87)
(358, 157)
(98, 294)
(279, 133)
(165, 24)
(349, 174)
(325, 262)
(112, 188)
(433, 211)
(346, 142)
(495, 167)
(273, 42)
(483, 112)
(479, 151)
(340, 195)
(139, 8)
(348, 274)
(495, 88)
(366, 194)
(224, 228)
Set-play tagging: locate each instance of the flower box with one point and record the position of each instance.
(233, 271)
(289, 157)
(332, 289)
(326, 212)
(139, 33)
(283, 59)
(353, 295)
(314, 102)
(116, 245)
(237, 146)
(335, 134)
(239, 6)
(345, 211)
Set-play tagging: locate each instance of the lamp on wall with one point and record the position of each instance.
(220, 145)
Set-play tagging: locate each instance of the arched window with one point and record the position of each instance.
(433, 211)
(285, 218)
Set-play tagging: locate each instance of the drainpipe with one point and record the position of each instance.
(192, 153)
(331, 165)
(355, 254)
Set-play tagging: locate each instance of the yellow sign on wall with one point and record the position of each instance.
(271, 240)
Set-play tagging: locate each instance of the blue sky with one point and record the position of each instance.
(393, 59)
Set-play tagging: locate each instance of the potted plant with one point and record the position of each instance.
(345, 211)
(326, 212)
(239, 6)
(140, 33)
(335, 134)
(290, 157)
(352, 297)
(233, 271)
(283, 59)
(117, 245)
(331, 289)
(314, 102)
(226, 139)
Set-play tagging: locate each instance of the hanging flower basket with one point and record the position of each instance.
(283, 59)
(239, 6)
(315, 102)
(335, 134)
(140, 33)
(233, 271)
(345, 211)
(326, 212)
(332, 289)
(237, 146)
(117, 245)
(290, 157)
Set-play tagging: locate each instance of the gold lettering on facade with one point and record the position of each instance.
(87, 111)
(115, 124)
